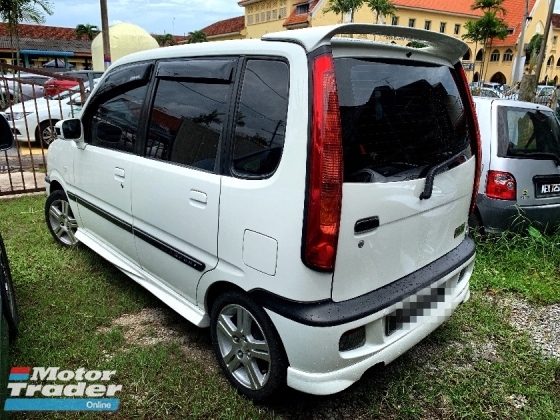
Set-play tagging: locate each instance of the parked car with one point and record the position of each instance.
(34, 120)
(21, 87)
(520, 159)
(9, 315)
(486, 92)
(55, 86)
(305, 196)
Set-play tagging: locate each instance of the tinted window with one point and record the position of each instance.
(526, 132)
(114, 123)
(260, 122)
(186, 121)
(398, 119)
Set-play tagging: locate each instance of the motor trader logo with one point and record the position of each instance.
(52, 389)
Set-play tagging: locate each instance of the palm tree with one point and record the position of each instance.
(197, 36)
(166, 39)
(381, 8)
(491, 27)
(474, 35)
(87, 30)
(13, 12)
(489, 6)
(343, 7)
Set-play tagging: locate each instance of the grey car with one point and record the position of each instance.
(520, 179)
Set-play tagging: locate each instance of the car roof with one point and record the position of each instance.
(437, 45)
(512, 102)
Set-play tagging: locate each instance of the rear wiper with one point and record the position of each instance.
(429, 185)
(544, 155)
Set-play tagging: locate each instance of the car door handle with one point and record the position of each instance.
(366, 225)
(119, 174)
(198, 197)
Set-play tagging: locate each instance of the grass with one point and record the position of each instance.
(474, 366)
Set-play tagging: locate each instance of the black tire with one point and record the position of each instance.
(255, 355)
(45, 134)
(7, 292)
(60, 219)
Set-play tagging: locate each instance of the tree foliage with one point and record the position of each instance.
(164, 40)
(197, 36)
(343, 7)
(87, 30)
(381, 8)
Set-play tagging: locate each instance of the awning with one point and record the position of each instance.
(49, 53)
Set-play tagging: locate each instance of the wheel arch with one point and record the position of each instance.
(215, 290)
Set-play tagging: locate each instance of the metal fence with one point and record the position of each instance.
(32, 114)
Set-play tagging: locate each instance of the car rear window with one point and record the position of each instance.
(399, 119)
(526, 132)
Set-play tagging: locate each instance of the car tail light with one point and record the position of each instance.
(324, 199)
(475, 133)
(501, 185)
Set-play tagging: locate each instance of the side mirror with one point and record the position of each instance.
(70, 129)
(6, 134)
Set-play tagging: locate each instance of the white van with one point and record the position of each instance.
(305, 196)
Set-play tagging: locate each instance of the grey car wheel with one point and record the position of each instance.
(60, 219)
(46, 133)
(247, 346)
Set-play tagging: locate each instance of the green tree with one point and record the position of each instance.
(473, 34)
(87, 30)
(489, 6)
(12, 12)
(197, 36)
(381, 8)
(164, 40)
(342, 7)
(534, 46)
(491, 27)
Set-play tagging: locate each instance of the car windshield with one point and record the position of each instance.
(527, 132)
(398, 118)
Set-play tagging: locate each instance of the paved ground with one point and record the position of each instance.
(16, 172)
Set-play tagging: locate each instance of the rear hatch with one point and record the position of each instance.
(404, 127)
(528, 147)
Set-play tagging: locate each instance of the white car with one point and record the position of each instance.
(304, 195)
(34, 120)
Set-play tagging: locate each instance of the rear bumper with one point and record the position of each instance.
(500, 215)
(318, 366)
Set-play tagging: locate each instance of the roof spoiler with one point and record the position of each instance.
(312, 38)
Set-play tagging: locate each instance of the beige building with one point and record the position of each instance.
(449, 17)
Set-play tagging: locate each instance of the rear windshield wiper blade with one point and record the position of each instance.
(429, 185)
(543, 155)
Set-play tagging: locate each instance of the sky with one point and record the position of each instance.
(178, 17)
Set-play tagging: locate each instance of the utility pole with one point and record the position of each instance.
(518, 68)
(540, 59)
(105, 32)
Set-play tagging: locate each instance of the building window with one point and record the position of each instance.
(442, 27)
(275, 14)
(268, 14)
(257, 20)
(250, 20)
(510, 31)
(495, 55)
(282, 13)
(479, 55)
(457, 29)
(302, 8)
(411, 23)
(427, 25)
(394, 21)
(262, 16)
(508, 55)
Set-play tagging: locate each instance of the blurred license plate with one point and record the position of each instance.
(548, 189)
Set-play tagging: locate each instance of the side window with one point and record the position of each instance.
(186, 121)
(260, 122)
(114, 124)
